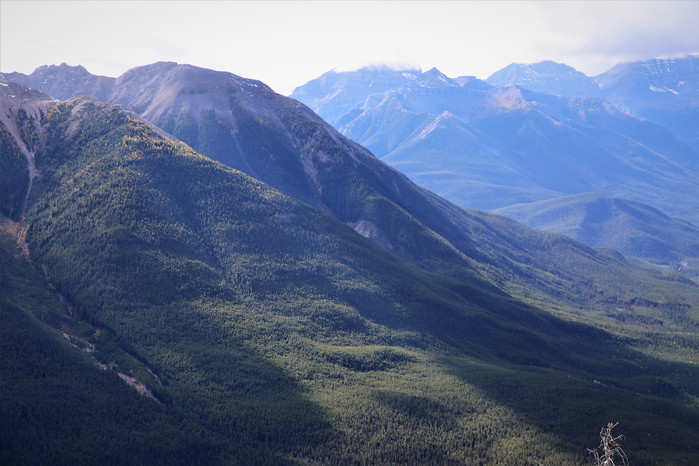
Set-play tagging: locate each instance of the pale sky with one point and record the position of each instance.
(287, 43)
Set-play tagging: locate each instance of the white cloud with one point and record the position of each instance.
(287, 43)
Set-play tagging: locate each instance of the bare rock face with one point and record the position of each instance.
(369, 230)
(21, 111)
(64, 81)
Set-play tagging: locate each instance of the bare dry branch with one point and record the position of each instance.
(610, 448)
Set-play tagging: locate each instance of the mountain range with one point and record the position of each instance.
(275, 293)
(489, 147)
(662, 90)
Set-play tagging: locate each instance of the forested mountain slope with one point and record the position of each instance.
(277, 140)
(269, 331)
(632, 228)
(57, 405)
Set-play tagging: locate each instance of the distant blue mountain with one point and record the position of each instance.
(636, 230)
(548, 77)
(664, 91)
(490, 147)
(337, 92)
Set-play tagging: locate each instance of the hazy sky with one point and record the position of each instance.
(287, 43)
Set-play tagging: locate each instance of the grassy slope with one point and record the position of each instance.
(279, 333)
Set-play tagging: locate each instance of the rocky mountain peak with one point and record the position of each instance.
(545, 76)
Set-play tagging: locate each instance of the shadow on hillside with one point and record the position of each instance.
(220, 402)
(580, 379)
(565, 379)
(572, 406)
(240, 405)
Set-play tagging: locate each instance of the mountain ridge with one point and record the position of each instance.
(546, 76)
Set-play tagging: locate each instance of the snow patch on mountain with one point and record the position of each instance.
(434, 124)
(664, 89)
